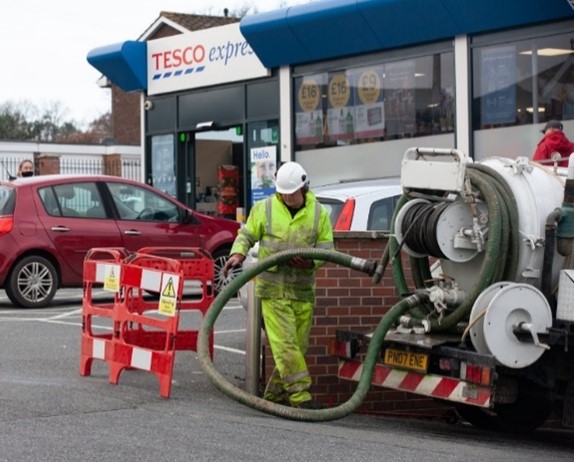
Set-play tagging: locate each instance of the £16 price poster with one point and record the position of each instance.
(369, 102)
(309, 123)
(340, 109)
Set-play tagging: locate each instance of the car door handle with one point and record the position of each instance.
(60, 229)
(132, 232)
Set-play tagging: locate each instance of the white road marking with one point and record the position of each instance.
(60, 317)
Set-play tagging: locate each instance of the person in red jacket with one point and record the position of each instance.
(554, 141)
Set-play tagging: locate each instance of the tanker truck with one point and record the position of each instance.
(489, 325)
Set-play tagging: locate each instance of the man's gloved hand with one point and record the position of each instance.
(234, 260)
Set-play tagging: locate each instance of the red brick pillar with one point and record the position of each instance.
(350, 300)
(113, 165)
(48, 165)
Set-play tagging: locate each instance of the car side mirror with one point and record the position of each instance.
(185, 216)
(188, 217)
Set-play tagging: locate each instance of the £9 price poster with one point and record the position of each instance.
(309, 123)
(369, 102)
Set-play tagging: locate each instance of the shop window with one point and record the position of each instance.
(163, 169)
(383, 101)
(523, 82)
(263, 156)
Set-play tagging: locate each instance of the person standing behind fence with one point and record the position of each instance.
(554, 141)
(26, 168)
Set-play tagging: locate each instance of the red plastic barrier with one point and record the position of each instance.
(146, 317)
(102, 268)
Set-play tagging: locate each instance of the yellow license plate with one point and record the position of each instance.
(406, 359)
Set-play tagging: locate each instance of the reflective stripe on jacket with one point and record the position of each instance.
(270, 223)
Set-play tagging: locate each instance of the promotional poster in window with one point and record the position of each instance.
(263, 168)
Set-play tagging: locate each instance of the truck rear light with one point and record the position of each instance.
(446, 364)
(475, 374)
(345, 218)
(342, 349)
(6, 224)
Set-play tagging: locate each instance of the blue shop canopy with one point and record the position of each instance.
(123, 63)
(335, 28)
(330, 29)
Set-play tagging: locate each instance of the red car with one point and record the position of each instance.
(48, 223)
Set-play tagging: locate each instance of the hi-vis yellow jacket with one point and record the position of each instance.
(270, 223)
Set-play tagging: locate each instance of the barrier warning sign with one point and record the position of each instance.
(168, 294)
(112, 278)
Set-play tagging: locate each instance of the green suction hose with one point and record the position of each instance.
(268, 407)
(499, 262)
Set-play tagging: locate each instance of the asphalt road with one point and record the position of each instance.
(48, 412)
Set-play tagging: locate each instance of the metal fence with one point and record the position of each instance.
(73, 165)
(132, 169)
(9, 166)
(129, 168)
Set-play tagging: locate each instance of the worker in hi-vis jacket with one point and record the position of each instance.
(289, 219)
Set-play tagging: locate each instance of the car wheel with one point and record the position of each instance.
(32, 283)
(220, 281)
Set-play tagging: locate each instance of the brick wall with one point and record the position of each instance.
(113, 165)
(126, 107)
(126, 117)
(48, 165)
(347, 299)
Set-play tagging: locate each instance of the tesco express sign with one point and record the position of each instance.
(199, 59)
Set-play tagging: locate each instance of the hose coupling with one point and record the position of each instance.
(364, 266)
(378, 274)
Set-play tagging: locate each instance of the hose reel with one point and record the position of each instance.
(502, 309)
(442, 229)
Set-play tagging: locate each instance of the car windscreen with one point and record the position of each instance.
(7, 200)
(333, 206)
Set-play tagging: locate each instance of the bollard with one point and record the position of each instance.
(252, 341)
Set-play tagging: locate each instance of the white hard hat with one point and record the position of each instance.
(290, 177)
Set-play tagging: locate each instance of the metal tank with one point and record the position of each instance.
(466, 216)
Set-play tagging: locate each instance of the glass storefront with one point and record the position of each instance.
(518, 82)
(385, 100)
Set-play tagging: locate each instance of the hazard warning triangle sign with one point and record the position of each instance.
(168, 294)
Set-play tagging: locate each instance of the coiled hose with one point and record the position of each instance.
(500, 259)
(268, 407)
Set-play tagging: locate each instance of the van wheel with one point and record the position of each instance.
(32, 283)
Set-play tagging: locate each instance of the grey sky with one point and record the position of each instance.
(44, 45)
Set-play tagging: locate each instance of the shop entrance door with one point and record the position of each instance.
(219, 172)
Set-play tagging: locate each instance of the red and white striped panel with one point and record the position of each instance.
(159, 362)
(96, 348)
(156, 362)
(434, 386)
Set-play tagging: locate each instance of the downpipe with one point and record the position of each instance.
(292, 413)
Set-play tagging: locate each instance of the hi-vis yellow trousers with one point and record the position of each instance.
(287, 325)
